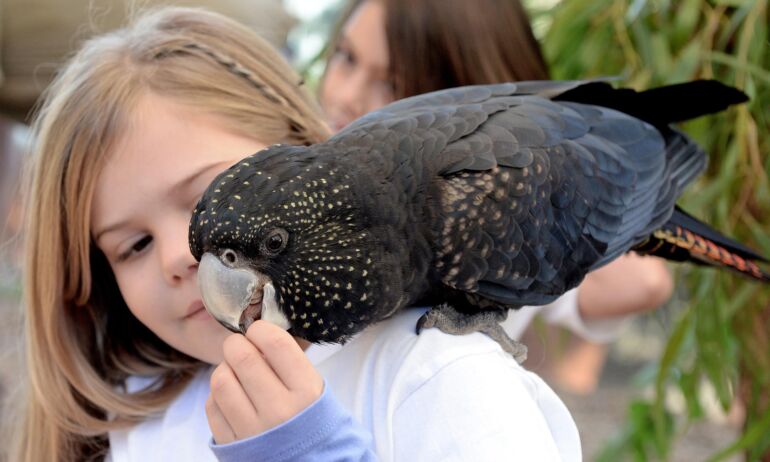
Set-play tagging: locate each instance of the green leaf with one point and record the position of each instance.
(735, 3)
(735, 63)
(751, 437)
(686, 63)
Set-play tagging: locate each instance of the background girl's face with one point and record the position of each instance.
(142, 206)
(357, 78)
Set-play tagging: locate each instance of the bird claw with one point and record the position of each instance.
(447, 319)
(513, 347)
(425, 322)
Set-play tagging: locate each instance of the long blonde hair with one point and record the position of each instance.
(81, 340)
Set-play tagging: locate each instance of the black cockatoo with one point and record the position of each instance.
(474, 200)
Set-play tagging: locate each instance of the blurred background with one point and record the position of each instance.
(690, 381)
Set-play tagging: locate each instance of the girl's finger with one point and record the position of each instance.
(233, 402)
(258, 379)
(285, 357)
(220, 429)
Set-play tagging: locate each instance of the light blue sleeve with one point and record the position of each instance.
(323, 431)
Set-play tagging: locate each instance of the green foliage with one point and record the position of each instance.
(722, 334)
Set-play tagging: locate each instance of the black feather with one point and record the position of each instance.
(660, 106)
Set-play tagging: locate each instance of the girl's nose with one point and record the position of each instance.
(176, 260)
(352, 95)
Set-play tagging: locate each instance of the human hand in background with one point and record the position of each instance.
(631, 284)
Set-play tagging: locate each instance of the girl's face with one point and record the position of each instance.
(357, 77)
(142, 206)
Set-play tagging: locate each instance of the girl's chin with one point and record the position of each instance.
(205, 339)
(337, 124)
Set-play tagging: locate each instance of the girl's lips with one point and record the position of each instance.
(200, 314)
(337, 126)
(196, 310)
(337, 123)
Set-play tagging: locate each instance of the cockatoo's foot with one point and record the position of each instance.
(447, 319)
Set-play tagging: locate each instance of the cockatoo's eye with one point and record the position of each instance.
(275, 241)
(229, 258)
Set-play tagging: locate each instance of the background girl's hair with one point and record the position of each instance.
(437, 44)
(456, 42)
(81, 340)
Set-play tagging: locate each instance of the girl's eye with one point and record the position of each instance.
(136, 248)
(344, 54)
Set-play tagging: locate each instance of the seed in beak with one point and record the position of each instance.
(252, 312)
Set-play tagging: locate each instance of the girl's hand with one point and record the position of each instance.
(265, 380)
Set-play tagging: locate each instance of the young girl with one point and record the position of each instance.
(129, 137)
(118, 342)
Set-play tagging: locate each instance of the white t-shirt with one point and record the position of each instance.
(427, 397)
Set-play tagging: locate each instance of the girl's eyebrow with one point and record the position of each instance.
(173, 190)
(185, 183)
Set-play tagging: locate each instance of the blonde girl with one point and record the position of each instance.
(107, 306)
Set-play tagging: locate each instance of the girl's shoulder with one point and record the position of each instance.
(179, 433)
(405, 387)
(391, 354)
(396, 337)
